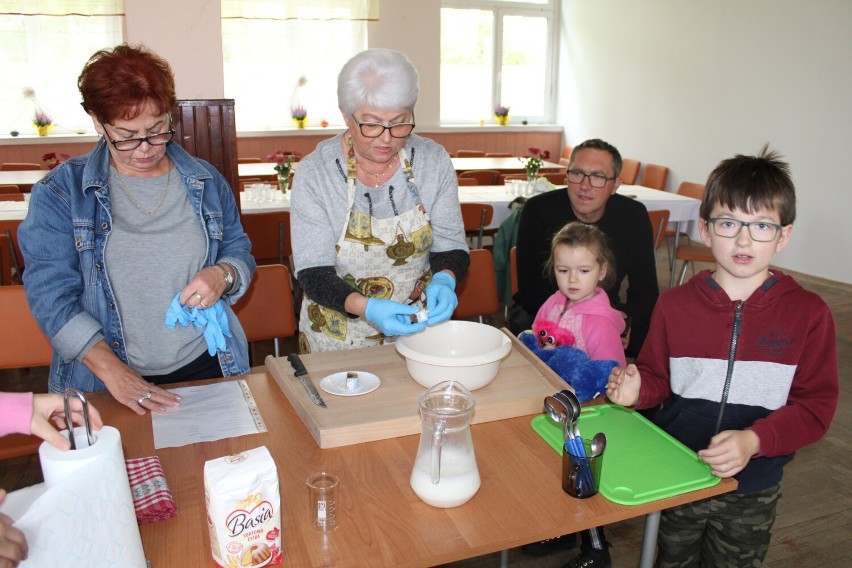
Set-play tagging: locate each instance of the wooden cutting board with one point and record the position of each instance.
(391, 410)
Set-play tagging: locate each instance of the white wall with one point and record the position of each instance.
(687, 83)
(683, 83)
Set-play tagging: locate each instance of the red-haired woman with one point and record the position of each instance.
(132, 233)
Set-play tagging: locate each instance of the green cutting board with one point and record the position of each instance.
(642, 463)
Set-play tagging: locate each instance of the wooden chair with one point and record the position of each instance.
(7, 269)
(249, 161)
(654, 176)
(629, 171)
(476, 216)
(207, 129)
(482, 177)
(565, 162)
(9, 228)
(566, 152)
(659, 223)
(498, 155)
(468, 181)
(266, 310)
(11, 196)
(19, 166)
(507, 177)
(477, 293)
(24, 345)
(690, 254)
(11, 188)
(556, 178)
(269, 233)
(696, 191)
(470, 154)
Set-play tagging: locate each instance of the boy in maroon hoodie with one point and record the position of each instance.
(744, 362)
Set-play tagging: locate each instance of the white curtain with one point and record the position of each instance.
(45, 44)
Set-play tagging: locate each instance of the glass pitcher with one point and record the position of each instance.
(445, 473)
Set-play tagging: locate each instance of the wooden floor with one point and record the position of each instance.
(814, 516)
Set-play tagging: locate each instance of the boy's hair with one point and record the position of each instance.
(577, 234)
(598, 144)
(749, 183)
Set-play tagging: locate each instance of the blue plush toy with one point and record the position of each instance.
(588, 378)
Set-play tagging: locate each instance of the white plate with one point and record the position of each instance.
(336, 383)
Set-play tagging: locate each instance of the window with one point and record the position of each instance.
(496, 52)
(45, 45)
(277, 55)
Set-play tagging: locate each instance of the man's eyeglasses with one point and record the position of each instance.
(760, 231)
(376, 129)
(595, 180)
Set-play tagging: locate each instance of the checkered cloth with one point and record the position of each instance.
(151, 496)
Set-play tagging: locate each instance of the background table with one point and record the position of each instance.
(24, 179)
(502, 165)
(381, 522)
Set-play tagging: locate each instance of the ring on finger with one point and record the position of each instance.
(144, 397)
(202, 304)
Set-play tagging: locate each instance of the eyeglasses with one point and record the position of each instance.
(126, 144)
(595, 180)
(376, 129)
(760, 231)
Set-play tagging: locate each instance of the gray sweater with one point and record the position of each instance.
(319, 213)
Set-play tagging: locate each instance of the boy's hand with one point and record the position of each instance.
(623, 385)
(730, 451)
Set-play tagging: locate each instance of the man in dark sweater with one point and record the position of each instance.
(593, 177)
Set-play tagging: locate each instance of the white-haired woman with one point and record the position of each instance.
(376, 220)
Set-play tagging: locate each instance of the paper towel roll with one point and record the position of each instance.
(86, 516)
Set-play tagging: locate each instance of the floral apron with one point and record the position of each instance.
(380, 258)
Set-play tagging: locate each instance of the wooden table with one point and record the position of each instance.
(502, 165)
(381, 522)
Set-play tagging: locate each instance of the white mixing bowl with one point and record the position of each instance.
(463, 351)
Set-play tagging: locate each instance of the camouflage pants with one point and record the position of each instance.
(731, 530)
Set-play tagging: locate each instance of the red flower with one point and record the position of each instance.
(53, 160)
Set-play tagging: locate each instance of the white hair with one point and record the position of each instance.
(383, 79)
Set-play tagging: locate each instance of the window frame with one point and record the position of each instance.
(499, 9)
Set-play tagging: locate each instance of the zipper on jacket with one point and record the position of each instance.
(735, 335)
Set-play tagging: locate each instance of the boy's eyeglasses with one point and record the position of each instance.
(376, 129)
(760, 231)
(595, 180)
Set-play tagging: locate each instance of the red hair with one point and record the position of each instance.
(119, 82)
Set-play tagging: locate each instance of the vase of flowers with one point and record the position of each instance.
(42, 122)
(532, 162)
(501, 115)
(300, 115)
(52, 159)
(283, 167)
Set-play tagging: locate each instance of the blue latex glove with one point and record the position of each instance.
(392, 317)
(176, 314)
(441, 299)
(214, 320)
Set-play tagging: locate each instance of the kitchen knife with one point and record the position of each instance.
(302, 374)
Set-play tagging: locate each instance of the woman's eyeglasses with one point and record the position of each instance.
(376, 129)
(133, 143)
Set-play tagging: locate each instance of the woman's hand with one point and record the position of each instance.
(125, 385)
(13, 543)
(205, 288)
(441, 299)
(623, 385)
(51, 407)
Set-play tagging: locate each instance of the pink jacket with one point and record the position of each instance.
(596, 326)
(16, 412)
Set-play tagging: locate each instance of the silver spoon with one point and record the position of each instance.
(598, 444)
(574, 403)
(557, 410)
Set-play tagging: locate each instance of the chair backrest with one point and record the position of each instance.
(476, 216)
(566, 151)
(556, 178)
(19, 166)
(565, 162)
(691, 189)
(24, 344)
(498, 155)
(11, 196)
(470, 154)
(468, 181)
(9, 227)
(506, 177)
(654, 176)
(513, 269)
(269, 233)
(207, 129)
(10, 188)
(482, 177)
(266, 309)
(6, 266)
(477, 294)
(248, 160)
(629, 171)
(659, 221)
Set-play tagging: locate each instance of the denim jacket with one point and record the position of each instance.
(63, 240)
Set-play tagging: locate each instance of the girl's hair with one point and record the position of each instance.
(383, 79)
(117, 83)
(577, 234)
